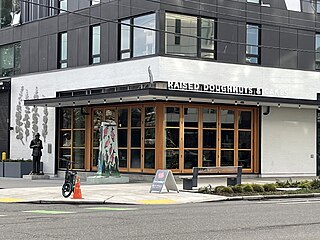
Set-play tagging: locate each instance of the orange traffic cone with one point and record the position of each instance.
(77, 190)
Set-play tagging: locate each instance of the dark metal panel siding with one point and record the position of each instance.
(104, 43)
(242, 47)
(17, 31)
(186, 7)
(288, 59)
(306, 43)
(302, 20)
(72, 48)
(124, 8)
(72, 5)
(6, 36)
(274, 16)
(34, 55)
(227, 51)
(83, 48)
(143, 6)
(78, 20)
(83, 3)
(110, 11)
(43, 53)
(270, 41)
(25, 52)
(231, 10)
(48, 26)
(63, 22)
(95, 14)
(113, 42)
(208, 8)
(253, 14)
(52, 51)
(4, 118)
(30, 30)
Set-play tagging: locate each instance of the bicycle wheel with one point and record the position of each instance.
(67, 189)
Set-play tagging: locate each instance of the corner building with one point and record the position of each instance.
(189, 83)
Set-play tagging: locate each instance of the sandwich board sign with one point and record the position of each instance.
(163, 178)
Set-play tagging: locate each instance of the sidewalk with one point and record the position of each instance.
(17, 190)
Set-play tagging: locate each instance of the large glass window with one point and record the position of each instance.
(207, 38)
(63, 50)
(144, 41)
(63, 5)
(93, 2)
(317, 49)
(9, 13)
(137, 37)
(72, 138)
(253, 41)
(172, 139)
(181, 35)
(10, 59)
(253, 1)
(190, 36)
(191, 142)
(95, 44)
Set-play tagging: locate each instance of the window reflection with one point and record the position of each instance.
(10, 60)
(172, 159)
(227, 119)
(144, 41)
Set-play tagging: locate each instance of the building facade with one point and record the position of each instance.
(189, 83)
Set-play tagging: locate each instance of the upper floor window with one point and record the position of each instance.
(253, 41)
(93, 2)
(253, 1)
(9, 13)
(138, 37)
(95, 44)
(63, 5)
(318, 6)
(317, 50)
(10, 59)
(190, 36)
(63, 50)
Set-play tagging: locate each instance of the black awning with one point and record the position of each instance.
(152, 94)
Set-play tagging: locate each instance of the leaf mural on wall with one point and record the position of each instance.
(18, 115)
(26, 118)
(35, 114)
(45, 122)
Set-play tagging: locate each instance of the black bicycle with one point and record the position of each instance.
(69, 180)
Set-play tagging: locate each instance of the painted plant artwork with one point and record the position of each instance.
(108, 150)
(27, 118)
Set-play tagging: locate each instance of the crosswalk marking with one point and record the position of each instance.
(47, 212)
(112, 209)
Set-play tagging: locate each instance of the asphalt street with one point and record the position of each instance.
(277, 219)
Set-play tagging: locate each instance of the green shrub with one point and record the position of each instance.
(257, 187)
(270, 187)
(247, 188)
(315, 183)
(223, 189)
(237, 188)
(305, 184)
(207, 189)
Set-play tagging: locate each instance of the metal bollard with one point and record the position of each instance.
(4, 156)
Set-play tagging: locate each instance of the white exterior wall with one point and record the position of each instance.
(288, 142)
(274, 82)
